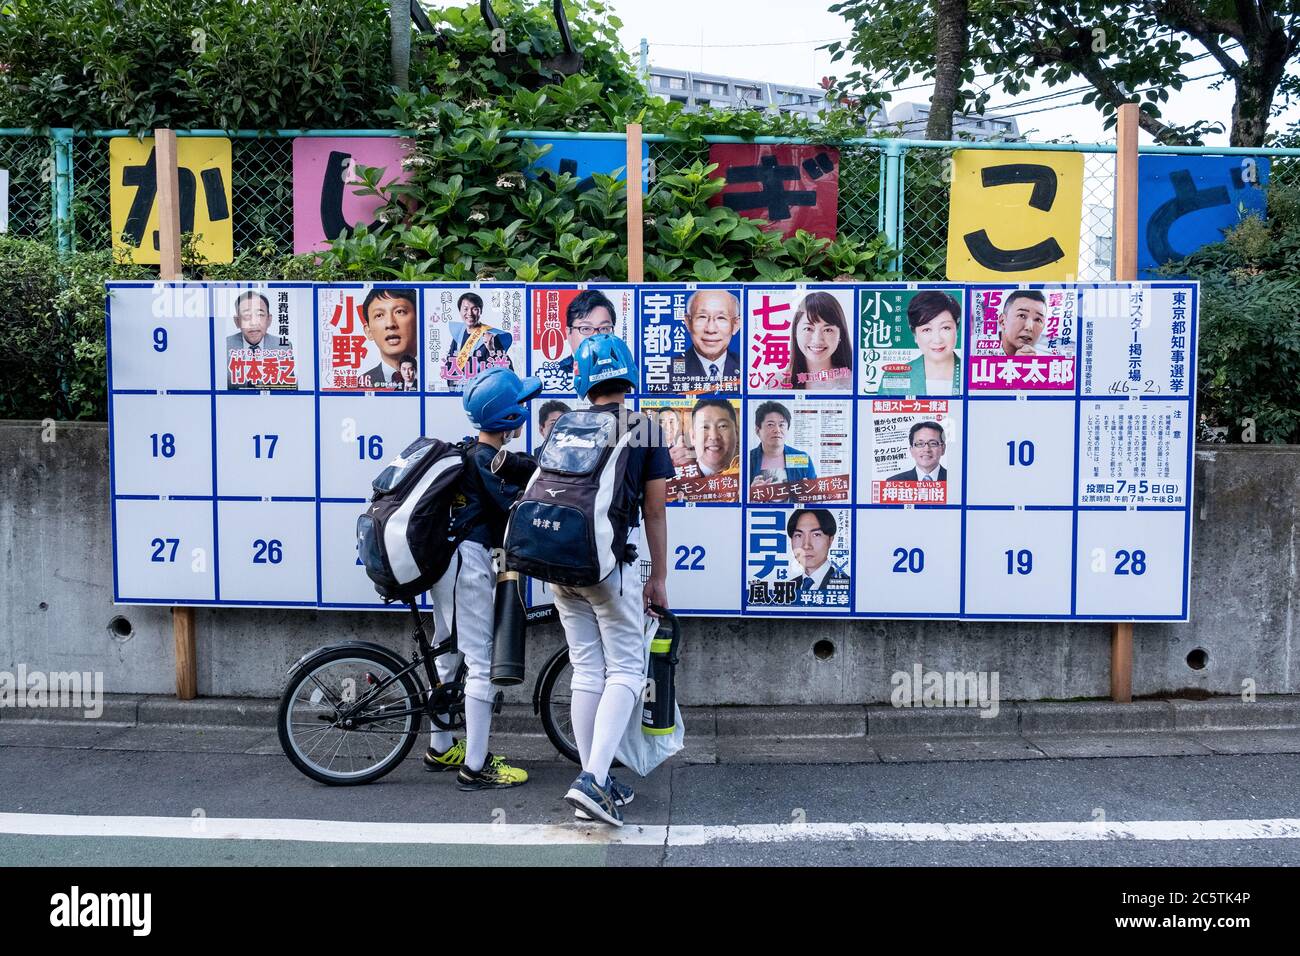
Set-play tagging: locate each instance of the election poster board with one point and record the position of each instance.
(1034, 463)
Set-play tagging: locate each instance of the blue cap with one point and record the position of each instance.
(494, 399)
(602, 358)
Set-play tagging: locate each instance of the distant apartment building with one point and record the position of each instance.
(696, 90)
(911, 119)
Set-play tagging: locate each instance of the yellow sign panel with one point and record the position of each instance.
(1015, 215)
(204, 168)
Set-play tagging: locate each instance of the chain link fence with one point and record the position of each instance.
(262, 174)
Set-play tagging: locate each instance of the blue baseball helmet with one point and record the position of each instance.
(494, 399)
(602, 358)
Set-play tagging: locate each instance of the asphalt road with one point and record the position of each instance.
(721, 814)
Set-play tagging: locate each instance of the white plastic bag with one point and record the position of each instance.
(641, 752)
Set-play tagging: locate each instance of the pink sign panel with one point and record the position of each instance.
(325, 204)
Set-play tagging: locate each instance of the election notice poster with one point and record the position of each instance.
(911, 341)
(1024, 339)
(800, 340)
(468, 330)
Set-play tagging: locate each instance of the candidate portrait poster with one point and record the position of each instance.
(800, 340)
(467, 330)
(911, 341)
(703, 440)
(561, 317)
(257, 328)
(799, 451)
(369, 338)
(912, 450)
(1023, 339)
(691, 340)
(798, 558)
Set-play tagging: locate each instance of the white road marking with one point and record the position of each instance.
(574, 834)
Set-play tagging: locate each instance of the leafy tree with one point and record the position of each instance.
(1124, 51)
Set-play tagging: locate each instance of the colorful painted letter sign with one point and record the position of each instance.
(205, 195)
(940, 450)
(325, 201)
(1014, 215)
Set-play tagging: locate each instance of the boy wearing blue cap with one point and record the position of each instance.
(494, 402)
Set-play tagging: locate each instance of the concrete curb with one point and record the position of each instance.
(777, 723)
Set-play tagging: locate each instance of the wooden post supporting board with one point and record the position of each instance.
(1126, 233)
(169, 268)
(635, 207)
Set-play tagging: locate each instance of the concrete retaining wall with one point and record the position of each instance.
(56, 606)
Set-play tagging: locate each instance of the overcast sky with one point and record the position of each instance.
(767, 40)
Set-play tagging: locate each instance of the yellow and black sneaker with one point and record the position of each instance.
(453, 758)
(495, 775)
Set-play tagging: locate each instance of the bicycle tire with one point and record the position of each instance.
(301, 675)
(552, 719)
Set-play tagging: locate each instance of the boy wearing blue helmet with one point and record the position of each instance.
(494, 402)
(604, 624)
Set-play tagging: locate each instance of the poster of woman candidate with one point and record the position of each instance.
(703, 439)
(369, 338)
(798, 558)
(800, 340)
(561, 317)
(911, 341)
(799, 451)
(690, 340)
(468, 329)
(259, 325)
(1023, 339)
(911, 452)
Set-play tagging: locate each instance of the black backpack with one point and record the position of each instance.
(404, 538)
(570, 525)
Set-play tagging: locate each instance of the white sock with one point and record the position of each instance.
(582, 708)
(440, 740)
(478, 725)
(615, 711)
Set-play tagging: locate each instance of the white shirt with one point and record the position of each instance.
(818, 574)
(920, 475)
(938, 386)
(720, 362)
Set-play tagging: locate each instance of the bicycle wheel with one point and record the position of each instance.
(554, 699)
(326, 736)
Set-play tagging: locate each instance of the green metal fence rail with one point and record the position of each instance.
(59, 186)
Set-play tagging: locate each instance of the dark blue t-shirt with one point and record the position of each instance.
(647, 460)
(483, 505)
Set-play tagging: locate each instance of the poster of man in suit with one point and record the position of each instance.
(798, 557)
(470, 329)
(256, 357)
(691, 340)
(911, 445)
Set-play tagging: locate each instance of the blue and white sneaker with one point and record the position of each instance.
(621, 792)
(586, 794)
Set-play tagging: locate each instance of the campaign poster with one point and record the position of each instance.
(690, 340)
(799, 451)
(1136, 340)
(259, 326)
(913, 445)
(369, 338)
(1133, 453)
(798, 558)
(1023, 339)
(800, 340)
(467, 330)
(703, 440)
(911, 341)
(561, 317)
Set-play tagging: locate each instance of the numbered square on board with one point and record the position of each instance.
(1131, 563)
(162, 444)
(908, 561)
(265, 445)
(909, 451)
(159, 337)
(358, 436)
(343, 576)
(164, 551)
(1018, 563)
(1020, 452)
(704, 559)
(268, 551)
